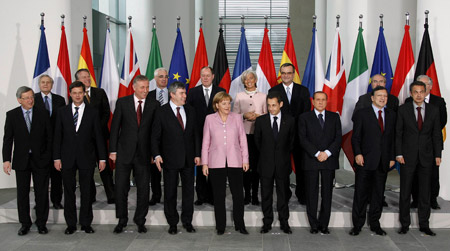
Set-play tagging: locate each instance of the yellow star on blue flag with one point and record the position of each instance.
(178, 67)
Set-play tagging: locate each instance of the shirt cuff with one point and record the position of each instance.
(328, 153)
(317, 154)
(102, 160)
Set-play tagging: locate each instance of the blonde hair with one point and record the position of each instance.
(219, 97)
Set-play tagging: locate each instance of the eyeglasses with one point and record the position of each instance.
(163, 76)
(287, 73)
(28, 98)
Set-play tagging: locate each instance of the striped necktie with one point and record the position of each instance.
(75, 117)
(28, 120)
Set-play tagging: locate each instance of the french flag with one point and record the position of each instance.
(242, 64)
(42, 62)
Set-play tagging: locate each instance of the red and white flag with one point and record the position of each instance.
(265, 70)
(62, 76)
(200, 61)
(130, 67)
(335, 80)
(109, 78)
(404, 71)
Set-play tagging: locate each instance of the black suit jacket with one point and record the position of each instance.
(176, 146)
(196, 99)
(127, 138)
(300, 101)
(368, 140)
(366, 101)
(313, 139)
(418, 146)
(38, 140)
(57, 102)
(275, 155)
(80, 146)
(439, 103)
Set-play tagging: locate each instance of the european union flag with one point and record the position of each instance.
(381, 62)
(178, 70)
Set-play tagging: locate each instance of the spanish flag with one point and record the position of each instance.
(85, 61)
(289, 57)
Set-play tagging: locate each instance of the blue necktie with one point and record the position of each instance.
(75, 117)
(321, 121)
(47, 105)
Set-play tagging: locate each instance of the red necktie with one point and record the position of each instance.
(380, 120)
(179, 118)
(139, 112)
(419, 118)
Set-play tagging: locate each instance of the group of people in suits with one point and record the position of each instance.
(249, 141)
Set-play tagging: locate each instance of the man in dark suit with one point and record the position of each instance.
(320, 137)
(51, 102)
(296, 101)
(130, 150)
(418, 142)
(160, 94)
(200, 98)
(373, 146)
(366, 99)
(28, 128)
(274, 136)
(77, 139)
(176, 146)
(96, 98)
(439, 103)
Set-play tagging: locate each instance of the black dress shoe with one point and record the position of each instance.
(314, 230)
(385, 204)
(198, 202)
(325, 230)
(247, 200)
(189, 228)
(153, 202)
(286, 229)
(255, 202)
(427, 231)
(87, 229)
(413, 204)
(70, 230)
(111, 201)
(58, 206)
(435, 206)
(242, 230)
(302, 202)
(142, 229)
(172, 230)
(220, 232)
(403, 230)
(119, 228)
(23, 231)
(42, 230)
(378, 231)
(355, 231)
(265, 229)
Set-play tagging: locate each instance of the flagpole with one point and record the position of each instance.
(84, 21)
(314, 21)
(154, 22)
(407, 18)
(426, 17)
(220, 23)
(107, 22)
(337, 21)
(129, 21)
(381, 20)
(62, 19)
(242, 21)
(42, 18)
(288, 21)
(178, 22)
(201, 21)
(360, 20)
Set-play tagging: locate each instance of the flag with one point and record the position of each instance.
(335, 82)
(404, 72)
(109, 77)
(381, 62)
(289, 57)
(313, 78)
(357, 86)
(63, 76)
(42, 62)
(154, 60)
(222, 76)
(242, 64)
(85, 61)
(200, 61)
(130, 67)
(265, 70)
(178, 68)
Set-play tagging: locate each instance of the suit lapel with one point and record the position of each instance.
(21, 119)
(69, 114)
(373, 116)
(412, 116)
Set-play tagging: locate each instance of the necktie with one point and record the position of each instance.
(180, 120)
(88, 98)
(28, 120)
(47, 105)
(275, 127)
(161, 97)
(321, 121)
(419, 118)
(75, 117)
(380, 121)
(139, 112)
(288, 94)
(207, 96)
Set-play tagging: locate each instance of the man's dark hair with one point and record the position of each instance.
(274, 94)
(320, 92)
(207, 67)
(176, 85)
(80, 70)
(417, 83)
(77, 84)
(378, 88)
(287, 65)
(139, 78)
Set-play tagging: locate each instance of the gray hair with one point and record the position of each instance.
(139, 78)
(21, 90)
(176, 85)
(155, 73)
(425, 76)
(45, 75)
(245, 74)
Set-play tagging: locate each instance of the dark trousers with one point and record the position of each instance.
(282, 186)
(251, 177)
(70, 209)
(155, 182)
(107, 178)
(407, 174)
(203, 186)
(326, 192)
(300, 189)
(435, 187)
(56, 191)
(40, 181)
(170, 195)
(218, 178)
(369, 186)
(142, 177)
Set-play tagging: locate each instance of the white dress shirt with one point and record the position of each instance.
(278, 120)
(317, 115)
(80, 114)
(136, 104)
